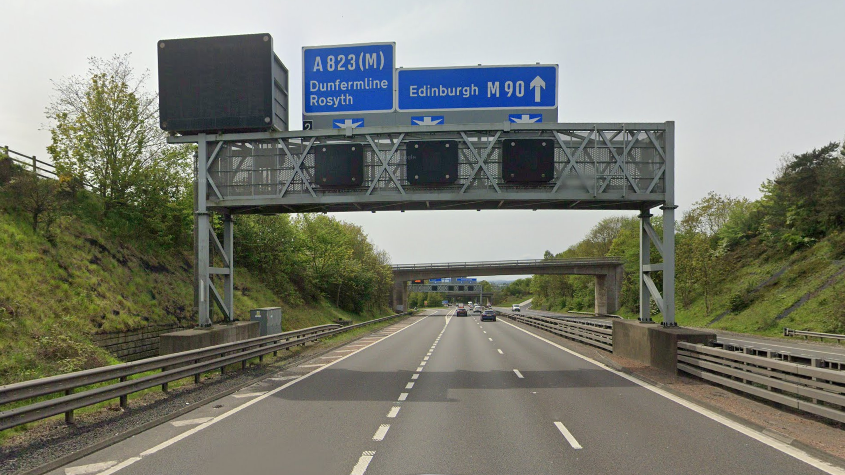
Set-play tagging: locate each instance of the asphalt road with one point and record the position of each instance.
(449, 395)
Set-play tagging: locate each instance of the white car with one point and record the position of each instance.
(515, 308)
(477, 309)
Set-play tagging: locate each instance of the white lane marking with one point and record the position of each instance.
(428, 354)
(758, 436)
(330, 357)
(393, 411)
(311, 365)
(381, 432)
(284, 378)
(422, 363)
(518, 374)
(415, 376)
(361, 467)
(485, 332)
(343, 351)
(490, 339)
(91, 468)
(500, 351)
(419, 369)
(425, 359)
(188, 433)
(569, 437)
(409, 385)
(121, 465)
(250, 394)
(189, 422)
(403, 396)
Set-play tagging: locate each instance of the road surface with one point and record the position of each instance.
(449, 395)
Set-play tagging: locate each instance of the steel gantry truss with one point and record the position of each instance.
(624, 166)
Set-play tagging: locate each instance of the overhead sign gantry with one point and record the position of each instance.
(363, 160)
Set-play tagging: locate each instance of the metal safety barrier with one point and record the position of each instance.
(173, 368)
(806, 334)
(820, 391)
(590, 333)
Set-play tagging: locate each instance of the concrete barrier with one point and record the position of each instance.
(196, 338)
(653, 344)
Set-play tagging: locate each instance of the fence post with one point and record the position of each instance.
(68, 414)
(34, 166)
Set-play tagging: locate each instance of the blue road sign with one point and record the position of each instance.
(480, 87)
(440, 281)
(347, 123)
(525, 118)
(348, 78)
(466, 280)
(428, 120)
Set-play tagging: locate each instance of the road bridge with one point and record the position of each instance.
(608, 272)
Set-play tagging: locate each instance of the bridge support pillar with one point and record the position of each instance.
(400, 296)
(601, 294)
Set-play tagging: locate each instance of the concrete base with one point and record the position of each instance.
(652, 343)
(195, 338)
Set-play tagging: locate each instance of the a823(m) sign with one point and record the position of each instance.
(348, 78)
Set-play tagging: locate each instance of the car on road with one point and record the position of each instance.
(461, 312)
(515, 308)
(477, 309)
(488, 315)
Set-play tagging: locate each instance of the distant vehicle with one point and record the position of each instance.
(477, 309)
(462, 312)
(489, 306)
(488, 315)
(515, 308)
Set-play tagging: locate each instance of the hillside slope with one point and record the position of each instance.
(53, 295)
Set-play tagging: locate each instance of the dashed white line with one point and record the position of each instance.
(518, 374)
(363, 462)
(490, 339)
(403, 396)
(500, 351)
(569, 438)
(422, 363)
(419, 369)
(381, 432)
(393, 411)
(425, 359)
(189, 422)
(91, 468)
(409, 385)
(415, 376)
(485, 332)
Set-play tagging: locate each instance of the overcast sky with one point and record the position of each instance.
(745, 81)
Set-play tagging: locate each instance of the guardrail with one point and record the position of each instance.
(806, 334)
(600, 336)
(819, 391)
(40, 168)
(516, 263)
(173, 367)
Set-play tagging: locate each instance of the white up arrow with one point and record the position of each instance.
(427, 121)
(348, 124)
(537, 84)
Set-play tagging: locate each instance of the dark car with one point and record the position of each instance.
(488, 315)
(462, 312)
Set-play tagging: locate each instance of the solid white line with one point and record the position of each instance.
(393, 411)
(381, 432)
(500, 351)
(190, 422)
(415, 376)
(518, 374)
(409, 385)
(250, 394)
(363, 462)
(758, 436)
(403, 396)
(569, 438)
(91, 468)
(235, 410)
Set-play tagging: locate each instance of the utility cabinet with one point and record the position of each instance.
(269, 320)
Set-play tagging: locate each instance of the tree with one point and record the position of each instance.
(38, 197)
(105, 129)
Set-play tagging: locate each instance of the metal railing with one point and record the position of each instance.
(590, 333)
(806, 334)
(819, 391)
(512, 263)
(40, 168)
(173, 368)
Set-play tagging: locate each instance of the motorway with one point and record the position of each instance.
(440, 394)
(784, 348)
